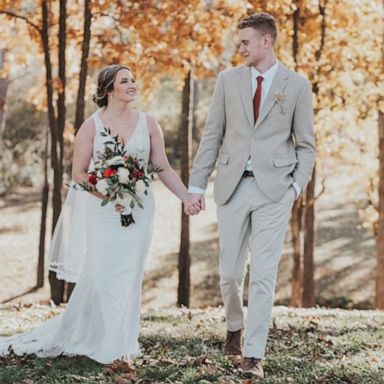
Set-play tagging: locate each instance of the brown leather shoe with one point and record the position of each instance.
(233, 343)
(252, 368)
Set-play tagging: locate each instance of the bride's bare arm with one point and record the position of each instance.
(82, 154)
(159, 159)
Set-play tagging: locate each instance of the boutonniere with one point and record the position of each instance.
(279, 98)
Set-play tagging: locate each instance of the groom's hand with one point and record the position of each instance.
(191, 209)
(195, 204)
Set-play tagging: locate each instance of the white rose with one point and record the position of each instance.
(116, 160)
(125, 200)
(102, 186)
(123, 175)
(140, 187)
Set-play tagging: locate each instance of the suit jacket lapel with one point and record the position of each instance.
(246, 93)
(277, 86)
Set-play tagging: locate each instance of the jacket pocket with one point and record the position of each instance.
(284, 161)
(223, 159)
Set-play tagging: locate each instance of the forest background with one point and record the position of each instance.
(51, 52)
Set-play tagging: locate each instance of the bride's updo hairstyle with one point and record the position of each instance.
(105, 82)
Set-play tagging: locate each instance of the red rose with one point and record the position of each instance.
(139, 174)
(109, 172)
(92, 178)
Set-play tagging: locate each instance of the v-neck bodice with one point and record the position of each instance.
(138, 144)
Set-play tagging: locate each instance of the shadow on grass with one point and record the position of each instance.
(345, 258)
(299, 354)
(33, 289)
(205, 288)
(290, 369)
(23, 199)
(338, 236)
(61, 369)
(11, 230)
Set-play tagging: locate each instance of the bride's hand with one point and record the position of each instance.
(191, 208)
(119, 208)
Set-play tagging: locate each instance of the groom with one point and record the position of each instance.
(260, 129)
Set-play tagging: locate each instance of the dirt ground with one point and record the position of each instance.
(344, 254)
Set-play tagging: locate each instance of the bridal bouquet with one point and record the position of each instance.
(121, 178)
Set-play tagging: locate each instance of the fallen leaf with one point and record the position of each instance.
(121, 380)
(126, 378)
(123, 366)
(81, 379)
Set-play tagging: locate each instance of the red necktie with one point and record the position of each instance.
(257, 98)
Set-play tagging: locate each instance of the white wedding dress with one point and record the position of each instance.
(102, 317)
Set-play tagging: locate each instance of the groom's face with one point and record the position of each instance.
(253, 46)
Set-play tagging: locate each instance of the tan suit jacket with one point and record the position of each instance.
(281, 144)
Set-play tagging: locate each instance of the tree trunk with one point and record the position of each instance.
(43, 223)
(55, 159)
(309, 297)
(295, 37)
(297, 273)
(379, 300)
(309, 244)
(61, 114)
(185, 133)
(196, 135)
(3, 95)
(61, 109)
(70, 288)
(79, 116)
(41, 260)
(57, 286)
(297, 211)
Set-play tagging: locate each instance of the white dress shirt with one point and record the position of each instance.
(268, 77)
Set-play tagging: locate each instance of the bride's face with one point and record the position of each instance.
(124, 87)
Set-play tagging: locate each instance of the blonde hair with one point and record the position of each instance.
(261, 21)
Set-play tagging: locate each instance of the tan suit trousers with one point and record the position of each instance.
(250, 220)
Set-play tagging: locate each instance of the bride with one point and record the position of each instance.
(102, 317)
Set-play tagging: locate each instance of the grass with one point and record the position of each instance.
(182, 346)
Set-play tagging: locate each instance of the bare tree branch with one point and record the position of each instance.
(21, 17)
(102, 14)
(116, 25)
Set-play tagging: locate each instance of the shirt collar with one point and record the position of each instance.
(268, 74)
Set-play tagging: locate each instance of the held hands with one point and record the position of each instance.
(193, 204)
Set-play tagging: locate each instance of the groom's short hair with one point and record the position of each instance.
(261, 21)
